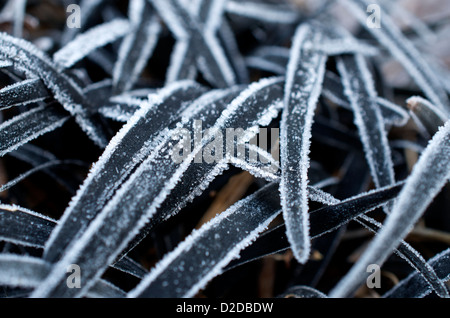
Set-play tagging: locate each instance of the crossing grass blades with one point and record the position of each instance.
(89, 185)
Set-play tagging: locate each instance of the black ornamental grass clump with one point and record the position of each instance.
(354, 176)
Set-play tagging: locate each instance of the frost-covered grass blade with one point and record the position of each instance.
(126, 150)
(360, 91)
(30, 125)
(199, 36)
(28, 228)
(23, 93)
(304, 78)
(414, 286)
(323, 220)
(63, 88)
(28, 272)
(137, 46)
(147, 188)
(429, 175)
(403, 50)
(207, 251)
(416, 260)
(429, 116)
(89, 41)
